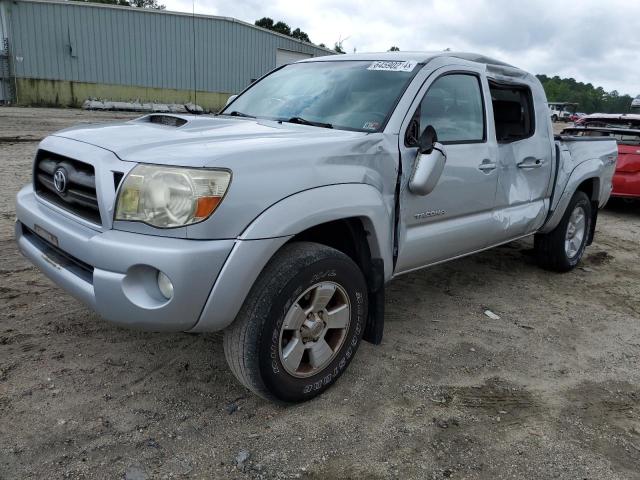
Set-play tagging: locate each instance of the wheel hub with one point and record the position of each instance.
(576, 232)
(314, 329)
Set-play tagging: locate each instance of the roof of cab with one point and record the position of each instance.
(420, 57)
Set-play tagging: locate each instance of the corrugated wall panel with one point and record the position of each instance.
(90, 43)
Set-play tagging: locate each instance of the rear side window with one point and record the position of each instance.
(453, 106)
(512, 112)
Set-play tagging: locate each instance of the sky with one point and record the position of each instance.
(593, 41)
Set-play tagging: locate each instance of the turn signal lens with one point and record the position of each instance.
(168, 197)
(206, 206)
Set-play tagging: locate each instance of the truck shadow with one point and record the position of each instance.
(624, 207)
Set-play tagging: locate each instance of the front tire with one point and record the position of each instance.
(562, 249)
(300, 325)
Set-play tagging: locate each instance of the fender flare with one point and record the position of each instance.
(276, 225)
(316, 206)
(587, 170)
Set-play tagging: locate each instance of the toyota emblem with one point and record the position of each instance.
(60, 180)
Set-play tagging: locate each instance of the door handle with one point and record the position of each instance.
(487, 166)
(529, 163)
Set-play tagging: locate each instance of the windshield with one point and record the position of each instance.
(349, 95)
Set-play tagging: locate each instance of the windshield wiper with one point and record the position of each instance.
(236, 113)
(302, 121)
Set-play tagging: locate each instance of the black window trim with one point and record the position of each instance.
(509, 86)
(482, 99)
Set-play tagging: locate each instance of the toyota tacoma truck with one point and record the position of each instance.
(280, 219)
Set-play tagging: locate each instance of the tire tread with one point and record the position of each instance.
(549, 247)
(242, 337)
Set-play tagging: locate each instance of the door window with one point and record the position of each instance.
(453, 105)
(513, 112)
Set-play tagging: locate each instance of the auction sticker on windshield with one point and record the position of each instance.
(393, 65)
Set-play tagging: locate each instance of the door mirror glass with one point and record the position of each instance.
(427, 169)
(427, 139)
(231, 99)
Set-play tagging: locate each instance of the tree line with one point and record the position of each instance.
(283, 28)
(153, 4)
(590, 99)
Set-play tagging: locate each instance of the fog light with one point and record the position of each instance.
(165, 286)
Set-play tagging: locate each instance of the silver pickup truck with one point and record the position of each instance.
(281, 219)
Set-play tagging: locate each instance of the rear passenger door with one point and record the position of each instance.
(455, 218)
(525, 159)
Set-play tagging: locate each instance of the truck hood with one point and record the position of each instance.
(201, 140)
(269, 161)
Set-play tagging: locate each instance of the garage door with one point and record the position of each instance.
(287, 56)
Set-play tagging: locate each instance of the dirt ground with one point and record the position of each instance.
(551, 389)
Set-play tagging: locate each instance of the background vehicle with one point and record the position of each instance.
(574, 117)
(281, 219)
(616, 120)
(635, 105)
(562, 111)
(626, 180)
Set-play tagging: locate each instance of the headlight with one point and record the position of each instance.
(170, 196)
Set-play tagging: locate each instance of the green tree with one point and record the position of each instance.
(338, 47)
(394, 49)
(283, 28)
(146, 4)
(590, 99)
(265, 22)
(153, 4)
(300, 35)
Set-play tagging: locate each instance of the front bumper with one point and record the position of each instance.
(114, 272)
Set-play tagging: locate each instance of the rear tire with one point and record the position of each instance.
(562, 249)
(300, 325)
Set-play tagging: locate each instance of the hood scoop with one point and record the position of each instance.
(163, 119)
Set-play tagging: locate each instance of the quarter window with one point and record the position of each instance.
(453, 106)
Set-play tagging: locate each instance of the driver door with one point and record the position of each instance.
(456, 217)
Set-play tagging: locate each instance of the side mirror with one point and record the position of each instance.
(429, 163)
(231, 99)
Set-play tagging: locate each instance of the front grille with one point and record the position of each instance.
(77, 195)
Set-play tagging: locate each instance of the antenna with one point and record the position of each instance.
(193, 28)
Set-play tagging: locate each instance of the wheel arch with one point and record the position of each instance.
(583, 178)
(352, 218)
(590, 186)
(355, 209)
(349, 235)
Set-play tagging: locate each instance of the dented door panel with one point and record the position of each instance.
(525, 169)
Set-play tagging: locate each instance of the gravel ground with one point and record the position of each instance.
(551, 389)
